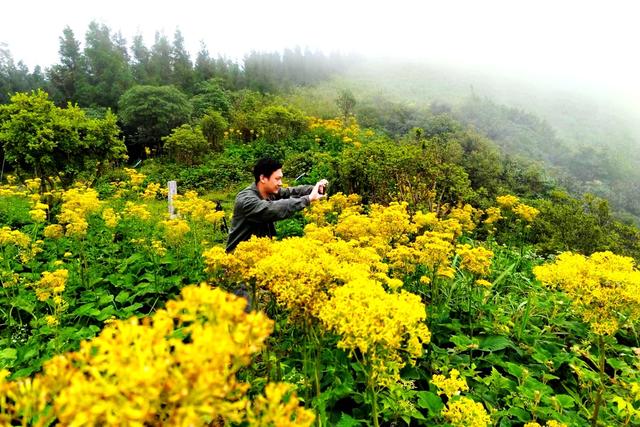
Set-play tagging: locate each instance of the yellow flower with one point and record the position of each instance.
(110, 218)
(475, 260)
(279, 406)
(138, 211)
(483, 283)
(158, 248)
(175, 229)
(493, 215)
(51, 320)
(38, 215)
(51, 283)
(135, 178)
(178, 367)
(464, 412)
(13, 237)
(151, 191)
(380, 325)
(525, 212)
(451, 386)
(604, 287)
(53, 231)
(77, 204)
(507, 201)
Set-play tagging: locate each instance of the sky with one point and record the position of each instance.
(594, 43)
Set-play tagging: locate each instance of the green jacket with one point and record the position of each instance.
(254, 216)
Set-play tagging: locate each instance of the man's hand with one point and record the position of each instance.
(318, 190)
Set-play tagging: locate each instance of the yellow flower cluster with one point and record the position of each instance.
(493, 215)
(158, 248)
(11, 189)
(604, 287)
(198, 209)
(135, 178)
(135, 210)
(177, 368)
(13, 237)
(33, 184)
(279, 407)
(53, 231)
(337, 128)
(550, 423)
(512, 203)
(26, 249)
(77, 204)
(508, 201)
(38, 212)
(313, 267)
(527, 213)
(151, 191)
(451, 386)
(464, 412)
(326, 210)
(110, 217)
(380, 325)
(475, 260)
(175, 229)
(51, 284)
(466, 216)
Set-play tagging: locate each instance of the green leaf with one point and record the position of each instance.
(463, 342)
(122, 296)
(22, 373)
(8, 353)
(347, 421)
(106, 313)
(132, 308)
(494, 343)
(515, 369)
(520, 414)
(504, 274)
(88, 309)
(565, 400)
(105, 299)
(430, 401)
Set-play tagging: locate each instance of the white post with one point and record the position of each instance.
(173, 190)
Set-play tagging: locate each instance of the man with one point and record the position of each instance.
(262, 203)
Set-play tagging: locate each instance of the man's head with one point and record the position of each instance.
(268, 175)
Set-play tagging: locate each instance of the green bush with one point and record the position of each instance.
(186, 145)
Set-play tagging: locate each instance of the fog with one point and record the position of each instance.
(578, 45)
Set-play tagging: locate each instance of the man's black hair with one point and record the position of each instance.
(266, 166)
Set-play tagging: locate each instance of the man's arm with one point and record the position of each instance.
(297, 191)
(257, 210)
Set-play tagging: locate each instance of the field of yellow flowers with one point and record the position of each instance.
(113, 313)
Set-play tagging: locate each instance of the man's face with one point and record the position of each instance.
(272, 184)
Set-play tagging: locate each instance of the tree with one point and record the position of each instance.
(181, 64)
(186, 145)
(151, 112)
(69, 77)
(213, 127)
(15, 77)
(140, 61)
(277, 122)
(205, 67)
(160, 71)
(46, 140)
(346, 103)
(107, 65)
(210, 96)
